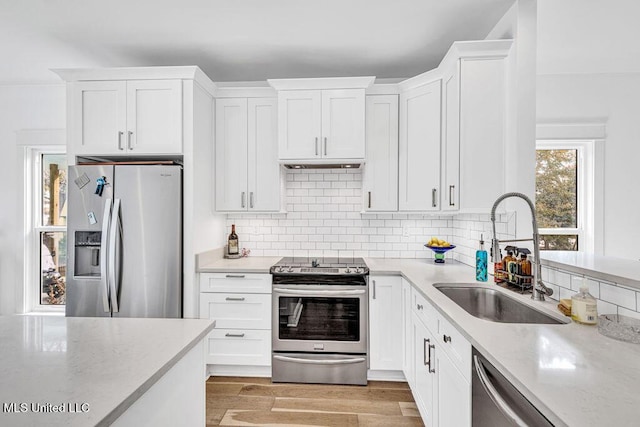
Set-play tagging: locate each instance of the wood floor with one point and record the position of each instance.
(236, 401)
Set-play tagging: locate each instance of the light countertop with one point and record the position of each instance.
(570, 372)
(617, 270)
(104, 363)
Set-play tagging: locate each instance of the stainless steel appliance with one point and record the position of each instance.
(320, 320)
(496, 402)
(124, 241)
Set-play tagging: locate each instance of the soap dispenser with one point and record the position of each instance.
(481, 262)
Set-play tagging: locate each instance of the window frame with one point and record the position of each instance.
(33, 196)
(585, 187)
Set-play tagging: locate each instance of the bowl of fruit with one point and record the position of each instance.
(439, 247)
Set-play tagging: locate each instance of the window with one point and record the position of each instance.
(564, 194)
(49, 194)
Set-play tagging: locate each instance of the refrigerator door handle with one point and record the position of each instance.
(113, 240)
(104, 241)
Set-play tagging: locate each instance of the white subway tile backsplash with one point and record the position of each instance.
(606, 308)
(619, 296)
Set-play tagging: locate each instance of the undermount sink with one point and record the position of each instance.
(490, 304)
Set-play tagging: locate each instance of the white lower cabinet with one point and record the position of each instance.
(407, 334)
(241, 306)
(439, 373)
(385, 320)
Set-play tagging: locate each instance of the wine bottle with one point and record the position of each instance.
(233, 241)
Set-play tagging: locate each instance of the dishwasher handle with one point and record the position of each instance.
(494, 395)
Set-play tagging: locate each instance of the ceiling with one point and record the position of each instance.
(241, 40)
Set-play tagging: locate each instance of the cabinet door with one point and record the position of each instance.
(419, 150)
(482, 132)
(154, 116)
(231, 154)
(99, 117)
(249, 347)
(380, 181)
(451, 139)
(299, 128)
(454, 394)
(385, 320)
(237, 310)
(425, 384)
(407, 334)
(343, 124)
(263, 167)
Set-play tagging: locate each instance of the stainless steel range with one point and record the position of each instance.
(320, 320)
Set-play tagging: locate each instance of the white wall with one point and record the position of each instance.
(21, 107)
(615, 100)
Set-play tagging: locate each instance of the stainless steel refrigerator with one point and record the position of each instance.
(124, 247)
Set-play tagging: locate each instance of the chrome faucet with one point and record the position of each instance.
(539, 289)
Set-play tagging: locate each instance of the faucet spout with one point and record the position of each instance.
(539, 289)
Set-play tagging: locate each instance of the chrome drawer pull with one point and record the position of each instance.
(234, 335)
(234, 299)
(235, 276)
(446, 338)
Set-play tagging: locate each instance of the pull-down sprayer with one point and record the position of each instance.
(539, 289)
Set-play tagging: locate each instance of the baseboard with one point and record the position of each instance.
(238, 371)
(374, 375)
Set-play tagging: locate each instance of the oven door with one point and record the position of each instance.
(320, 319)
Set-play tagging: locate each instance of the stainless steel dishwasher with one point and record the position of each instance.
(496, 402)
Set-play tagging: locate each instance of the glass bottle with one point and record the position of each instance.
(232, 243)
(524, 269)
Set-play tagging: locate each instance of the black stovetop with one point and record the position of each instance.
(321, 262)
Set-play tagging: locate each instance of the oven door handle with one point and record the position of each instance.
(318, 292)
(321, 361)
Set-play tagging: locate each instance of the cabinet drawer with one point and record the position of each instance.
(424, 310)
(455, 345)
(235, 282)
(237, 311)
(239, 347)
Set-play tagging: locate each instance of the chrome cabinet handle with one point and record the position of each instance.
(234, 335)
(325, 145)
(316, 145)
(243, 199)
(369, 199)
(451, 203)
(432, 369)
(251, 199)
(129, 146)
(234, 299)
(433, 197)
(235, 276)
(493, 393)
(374, 289)
(419, 306)
(120, 134)
(446, 338)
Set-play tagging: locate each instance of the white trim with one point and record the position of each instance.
(590, 227)
(33, 143)
(322, 83)
(570, 131)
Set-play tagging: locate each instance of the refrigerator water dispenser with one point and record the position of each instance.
(87, 254)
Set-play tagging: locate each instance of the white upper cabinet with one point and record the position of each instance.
(380, 175)
(451, 138)
(154, 116)
(343, 124)
(321, 124)
(247, 170)
(419, 150)
(299, 124)
(126, 117)
(231, 151)
(321, 120)
(264, 179)
(482, 132)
